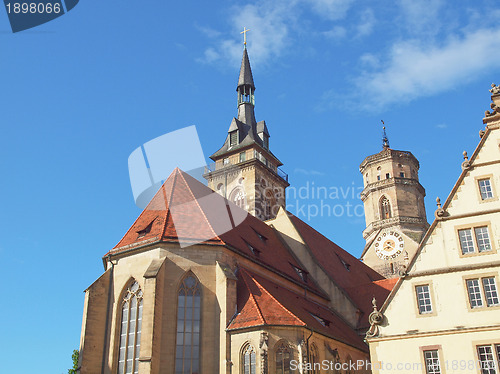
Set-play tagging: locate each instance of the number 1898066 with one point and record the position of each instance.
(33, 8)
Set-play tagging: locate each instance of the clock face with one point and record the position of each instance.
(389, 245)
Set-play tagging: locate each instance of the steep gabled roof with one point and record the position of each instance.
(360, 282)
(186, 211)
(178, 189)
(345, 269)
(262, 302)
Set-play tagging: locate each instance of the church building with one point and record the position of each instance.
(222, 279)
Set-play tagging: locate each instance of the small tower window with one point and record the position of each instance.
(385, 208)
(379, 170)
(387, 175)
(243, 156)
(266, 141)
(401, 174)
(238, 197)
(233, 138)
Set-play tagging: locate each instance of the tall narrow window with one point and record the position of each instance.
(490, 291)
(266, 141)
(187, 352)
(315, 360)
(283, 357)
(485, 189)
(233, 138)
(482, 238)
(424, 299)
(385, 208)
(432, 365)
(466, 241)
(474, 293)
(248, 359)
(243, 156)
(130, 333)
(486, 355)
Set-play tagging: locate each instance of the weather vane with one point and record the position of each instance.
(385, 139)
(244, 32)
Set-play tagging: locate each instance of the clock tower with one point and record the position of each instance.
(245, 171)
(394, 209)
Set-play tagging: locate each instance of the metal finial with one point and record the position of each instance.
(385, 139)
(244, 32)
(465, 155)
(438, 202)
(374, 303)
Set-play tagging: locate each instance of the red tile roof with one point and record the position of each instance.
(362, 295)
(201, 215)
(358, 280)
(263, 302)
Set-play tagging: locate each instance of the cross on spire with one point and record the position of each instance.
(244, 32)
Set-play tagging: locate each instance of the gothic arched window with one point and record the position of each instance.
(248, 360)
(283, 357)
(315, 360)
(130, 332)
(238, 197)
(385, 208)
(187, 351)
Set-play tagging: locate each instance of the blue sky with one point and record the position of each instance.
(80, 93)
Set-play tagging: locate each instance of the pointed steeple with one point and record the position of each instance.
(245, 78)
(385, 139)
(246, 89)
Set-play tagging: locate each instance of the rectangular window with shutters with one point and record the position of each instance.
(233, 138)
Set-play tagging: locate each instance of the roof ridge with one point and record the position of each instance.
(272, 297)
(167, 203)
(201, 209)
(253, 297)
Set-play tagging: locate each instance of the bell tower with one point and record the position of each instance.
(394, 209)
(245, 170)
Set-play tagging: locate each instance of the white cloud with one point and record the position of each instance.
(422, 16)
(442, 126)
(366, 24)
(414, 69)
(270, 24)
(330, 9)
(308, 172)
(337, 33)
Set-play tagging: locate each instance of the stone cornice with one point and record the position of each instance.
(387, 154)
(385, 183)
(391, 222)
(416, 334)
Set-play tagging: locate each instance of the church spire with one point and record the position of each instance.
(246, 78)
(246, 89)
(385, 139)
